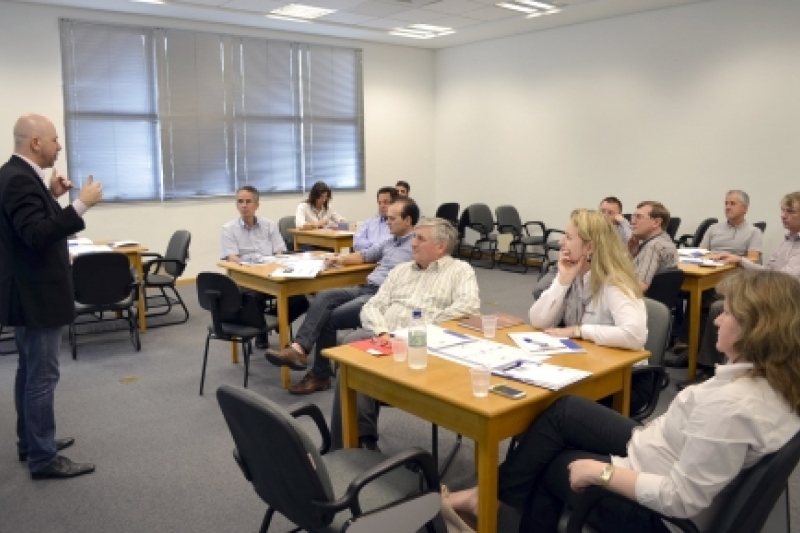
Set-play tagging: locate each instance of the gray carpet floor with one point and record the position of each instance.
(163, 453)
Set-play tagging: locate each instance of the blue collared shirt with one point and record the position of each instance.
(388, 254)
(371, 232)
(263, 239)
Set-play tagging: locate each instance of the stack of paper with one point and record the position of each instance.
(307, 268)
(543, 375)
(543, 343)
(80, 249)
(79, 241)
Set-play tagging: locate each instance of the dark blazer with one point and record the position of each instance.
(35, 275)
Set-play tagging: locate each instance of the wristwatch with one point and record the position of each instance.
(577, 332)
(606, 474)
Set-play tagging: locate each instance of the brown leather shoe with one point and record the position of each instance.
(287, 357)
(310, 384)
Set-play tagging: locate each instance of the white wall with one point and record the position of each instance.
(398, 106)
(676, 105)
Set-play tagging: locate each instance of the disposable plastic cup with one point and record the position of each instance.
(480, 381)
(399, 349)
(489, 323)
(344, 250)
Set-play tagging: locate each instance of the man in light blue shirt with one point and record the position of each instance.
(375, 229)
(336, 309)
(250, 239)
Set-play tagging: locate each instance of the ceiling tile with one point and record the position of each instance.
(455, 22)
(332, 4)
(206, 2)
(418, 16)
(379, 9)
(454, 6)
(382, 24)
(258, 6)
(344, 17)
(493, 13)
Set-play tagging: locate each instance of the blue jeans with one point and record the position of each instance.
(34, 393)
(331, 310)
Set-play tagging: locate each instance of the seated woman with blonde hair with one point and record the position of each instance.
(683, 463)
(596, 294)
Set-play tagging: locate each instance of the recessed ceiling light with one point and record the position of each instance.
(148, 1)
(301, 12)
(534, 3)
(428, 27)
(422, 31)
(517, 7)
(400, 33)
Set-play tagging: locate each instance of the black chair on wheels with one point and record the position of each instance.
(659, 323)
(761, 225)
(745, 510)
(235, 316)
(162, 273)
(319, 490)
(694, 240)
(284, 225)
(449, 212)
(104, 282)
(509, 221)
(666, 288)
(672, 227)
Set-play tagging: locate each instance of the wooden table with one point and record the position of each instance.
(696, 280)
(257, 278)
(325, 238)
(134, 255)
(442, 394)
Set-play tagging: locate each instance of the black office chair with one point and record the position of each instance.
(761, 225)
(659, 324)
(8, 345)
(284, 225)
(449, 212)
(509, 221)
(481, 220)
(552, 243)
(694, 240)
(162, 273)
(666, 288)
(235, 316)
(672, 227)
(104, 282)
(317, 489)
(745, 509)
(463, 223)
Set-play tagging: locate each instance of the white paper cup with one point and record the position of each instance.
(489, 324)
(344, 250)
(399, 349)
(480, 381)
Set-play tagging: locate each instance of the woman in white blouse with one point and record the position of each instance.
(596, 294)
(315, 212)
(682, 463)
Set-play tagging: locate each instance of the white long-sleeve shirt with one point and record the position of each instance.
(611, 319)
(307, 214)
(709, 434)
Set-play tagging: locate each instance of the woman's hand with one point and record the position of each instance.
(584, 473)
(569, 269)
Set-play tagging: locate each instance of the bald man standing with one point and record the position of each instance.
(36, 294)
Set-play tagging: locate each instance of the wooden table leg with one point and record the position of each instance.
(234, 352)
(695, 307)
(622, 399)
(487, 486)
(349, 411)
(283, 335)
(136, 261)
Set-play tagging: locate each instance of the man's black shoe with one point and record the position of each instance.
(60, 445)
(676, 361)
(369, 443)
(61, 468)
(261, 342)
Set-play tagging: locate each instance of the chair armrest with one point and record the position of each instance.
(593, 495)
(155, 264)
(150, 254)
(412, 456)
(481, 228)
(551, 231)
(656, 374)
(312, 411)
(508, 228)
(684, 240)
(539, 223)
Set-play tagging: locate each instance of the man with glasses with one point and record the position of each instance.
(611, 208)
(651, 247)
(785, 259)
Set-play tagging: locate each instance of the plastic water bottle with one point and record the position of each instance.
(417, 341)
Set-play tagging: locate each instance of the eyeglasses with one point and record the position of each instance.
(637, 216)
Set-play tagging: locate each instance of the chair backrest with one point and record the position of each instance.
(101, 278)
(508, 220)
(666, 286)
(750, 503)
(480, 218)
(463, 222)
(277, 457)
(672, 227)
(408, 516)
(449, 212)
(659, 323)
(178, 250)
(761, 225)
(284, 225)
(701, 230)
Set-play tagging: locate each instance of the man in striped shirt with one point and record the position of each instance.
(442, 287)
(651, 247)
